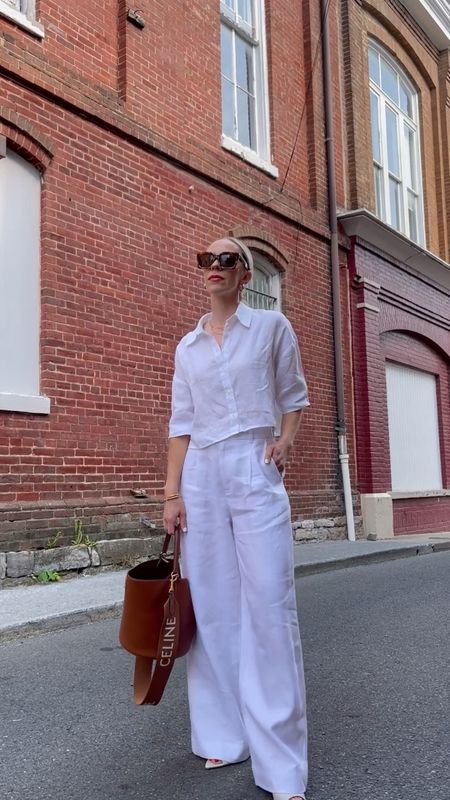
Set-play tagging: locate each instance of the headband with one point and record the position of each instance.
(245, 252)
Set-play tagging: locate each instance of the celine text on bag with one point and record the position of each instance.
(158, 622)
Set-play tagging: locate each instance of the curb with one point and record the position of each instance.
(370, 558)
(59, 622)
(72, 619)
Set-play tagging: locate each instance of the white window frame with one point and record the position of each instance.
(274, 281)
(256, 37)
(23, 14)
(384, 103)
(20, 287)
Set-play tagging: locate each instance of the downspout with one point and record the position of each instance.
(334, 255)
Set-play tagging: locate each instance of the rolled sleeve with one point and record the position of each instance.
(291, 391)
(182, 417)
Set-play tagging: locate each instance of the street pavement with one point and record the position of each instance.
(88, 597)
(376, 646)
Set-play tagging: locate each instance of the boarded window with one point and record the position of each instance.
(413, 429)
(20, 193)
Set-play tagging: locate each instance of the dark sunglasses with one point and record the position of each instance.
(223, 260)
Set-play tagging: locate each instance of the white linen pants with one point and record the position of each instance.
(245, 669)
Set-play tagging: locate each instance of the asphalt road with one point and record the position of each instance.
(376, 643)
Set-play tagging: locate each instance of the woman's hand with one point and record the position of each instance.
(174, 514)
(279, 451)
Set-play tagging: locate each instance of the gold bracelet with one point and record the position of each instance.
(172, 497)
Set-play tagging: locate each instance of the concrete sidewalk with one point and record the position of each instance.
(26, 610)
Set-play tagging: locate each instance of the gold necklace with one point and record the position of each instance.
(213, 327)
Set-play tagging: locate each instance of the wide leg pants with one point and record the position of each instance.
(245, 669)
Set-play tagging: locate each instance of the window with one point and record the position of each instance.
(23, 13)
(245, 126)
(20, 188)
(263, 291)
(395, 146)
(413, 429)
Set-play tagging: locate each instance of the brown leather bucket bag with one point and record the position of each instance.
(158, 622)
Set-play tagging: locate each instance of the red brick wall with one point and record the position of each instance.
(422, 515)
(80, 41)
(125, 125)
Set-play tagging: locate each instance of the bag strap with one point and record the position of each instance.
(175, 538)
(151, 675)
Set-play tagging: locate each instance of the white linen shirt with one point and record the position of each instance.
(249, 382)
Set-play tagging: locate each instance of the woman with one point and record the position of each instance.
(235, 375)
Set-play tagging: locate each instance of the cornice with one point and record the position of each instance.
(433, 16)
(416, 259)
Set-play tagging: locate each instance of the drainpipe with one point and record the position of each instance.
(336, 294)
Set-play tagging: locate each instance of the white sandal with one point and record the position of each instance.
(214, 763)
(287, 796)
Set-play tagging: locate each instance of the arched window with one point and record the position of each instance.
(395, 146)
(263, 291)
(20, 205)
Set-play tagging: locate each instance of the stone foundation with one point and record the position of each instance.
(319, 530)
(120, 552)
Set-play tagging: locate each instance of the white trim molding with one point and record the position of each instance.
(31, 404)
(248, 155)
(368, 307)
(24, 16)
(423, 493)
(367, 226)
(433, 16)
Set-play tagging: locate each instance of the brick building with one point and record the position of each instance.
(396, 86)
(132, 136)
(118, 163)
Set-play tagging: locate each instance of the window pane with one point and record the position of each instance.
(410, 157)
(376, 144)
(228, 4)
(378, 178)
(374, 66)
(226, 50)
(406, 103)
(246, 121)
(394, 200)
(245, 10)
(244, 65)
(228, 108)
(392, 142)
(258, 293)
(412, 216)
(389, 81)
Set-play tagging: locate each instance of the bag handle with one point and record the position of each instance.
(150, 679)
(175, 537)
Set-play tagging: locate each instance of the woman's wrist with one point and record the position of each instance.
(171, 496)
(285, 441)
(171, 488)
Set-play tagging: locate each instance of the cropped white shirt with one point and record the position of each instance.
(249, 382)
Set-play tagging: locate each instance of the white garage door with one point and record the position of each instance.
(413, 429)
